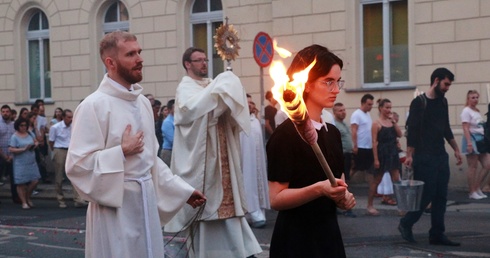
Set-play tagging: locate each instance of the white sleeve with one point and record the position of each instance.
(354, 119)
(465, 116)
(172, 191)
(95, 170)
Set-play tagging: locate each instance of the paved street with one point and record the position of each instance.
(367, 236)
(44, 231)
(47, 231)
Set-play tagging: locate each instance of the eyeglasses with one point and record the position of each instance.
(330, 84)
(200, 61)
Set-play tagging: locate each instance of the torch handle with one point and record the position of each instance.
(324, 164)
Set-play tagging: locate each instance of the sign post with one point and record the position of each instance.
(263, 49)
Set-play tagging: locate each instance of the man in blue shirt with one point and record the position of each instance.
(168, 133)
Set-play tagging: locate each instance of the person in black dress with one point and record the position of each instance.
(306, 224)
(385, 132)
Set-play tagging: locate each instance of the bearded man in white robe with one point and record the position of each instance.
(112, 161)
(209, 116)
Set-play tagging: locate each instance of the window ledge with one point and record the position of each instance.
(385, 88)
(28, 103)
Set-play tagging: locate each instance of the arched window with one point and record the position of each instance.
(206, 16)
(39, 70)
(116, 18)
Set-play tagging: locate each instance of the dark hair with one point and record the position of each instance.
(337, 105)
(325, 60)
(366, 97)
(39, 101)
(58, 108)
(249, 96)
(170, 104)
(34, 105)
(13, 111)
(441, 73)
(6, 106)
(65, 111)
(19, 121)
(186, 57)
(156, 102)
(30, 115)
(108, 45)
(22, 110)
(268, 95)
(382, 102)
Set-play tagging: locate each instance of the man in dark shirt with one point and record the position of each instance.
(269, 114)
(428, 126)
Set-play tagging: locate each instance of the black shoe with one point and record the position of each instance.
(443, 241)
(406, 233)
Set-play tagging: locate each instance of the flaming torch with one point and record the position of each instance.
(289, 94)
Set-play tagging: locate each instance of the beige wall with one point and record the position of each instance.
(450, 33)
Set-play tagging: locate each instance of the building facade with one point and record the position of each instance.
(49, 48)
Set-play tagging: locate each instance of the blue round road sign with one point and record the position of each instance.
(263, 49)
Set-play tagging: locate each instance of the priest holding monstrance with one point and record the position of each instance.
(209, 115)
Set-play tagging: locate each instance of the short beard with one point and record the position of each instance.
(438, 90)
(200, 74)
(203, 75)
(127, 75)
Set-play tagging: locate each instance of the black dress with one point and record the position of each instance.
(387, 150)
(310, 230)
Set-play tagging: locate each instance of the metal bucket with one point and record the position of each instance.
(408, 194)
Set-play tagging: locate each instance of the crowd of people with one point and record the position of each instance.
(33, 151)
(207, 148)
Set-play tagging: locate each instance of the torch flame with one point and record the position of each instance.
(284, 53)
(290, 94)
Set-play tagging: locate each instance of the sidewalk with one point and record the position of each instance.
(457, 200)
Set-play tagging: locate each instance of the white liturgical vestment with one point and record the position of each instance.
(132, 197)
(254, 168)
(208, 120)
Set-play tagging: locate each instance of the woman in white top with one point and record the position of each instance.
(472, 132)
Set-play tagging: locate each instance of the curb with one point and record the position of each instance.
(457, 199)
(45, 191)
